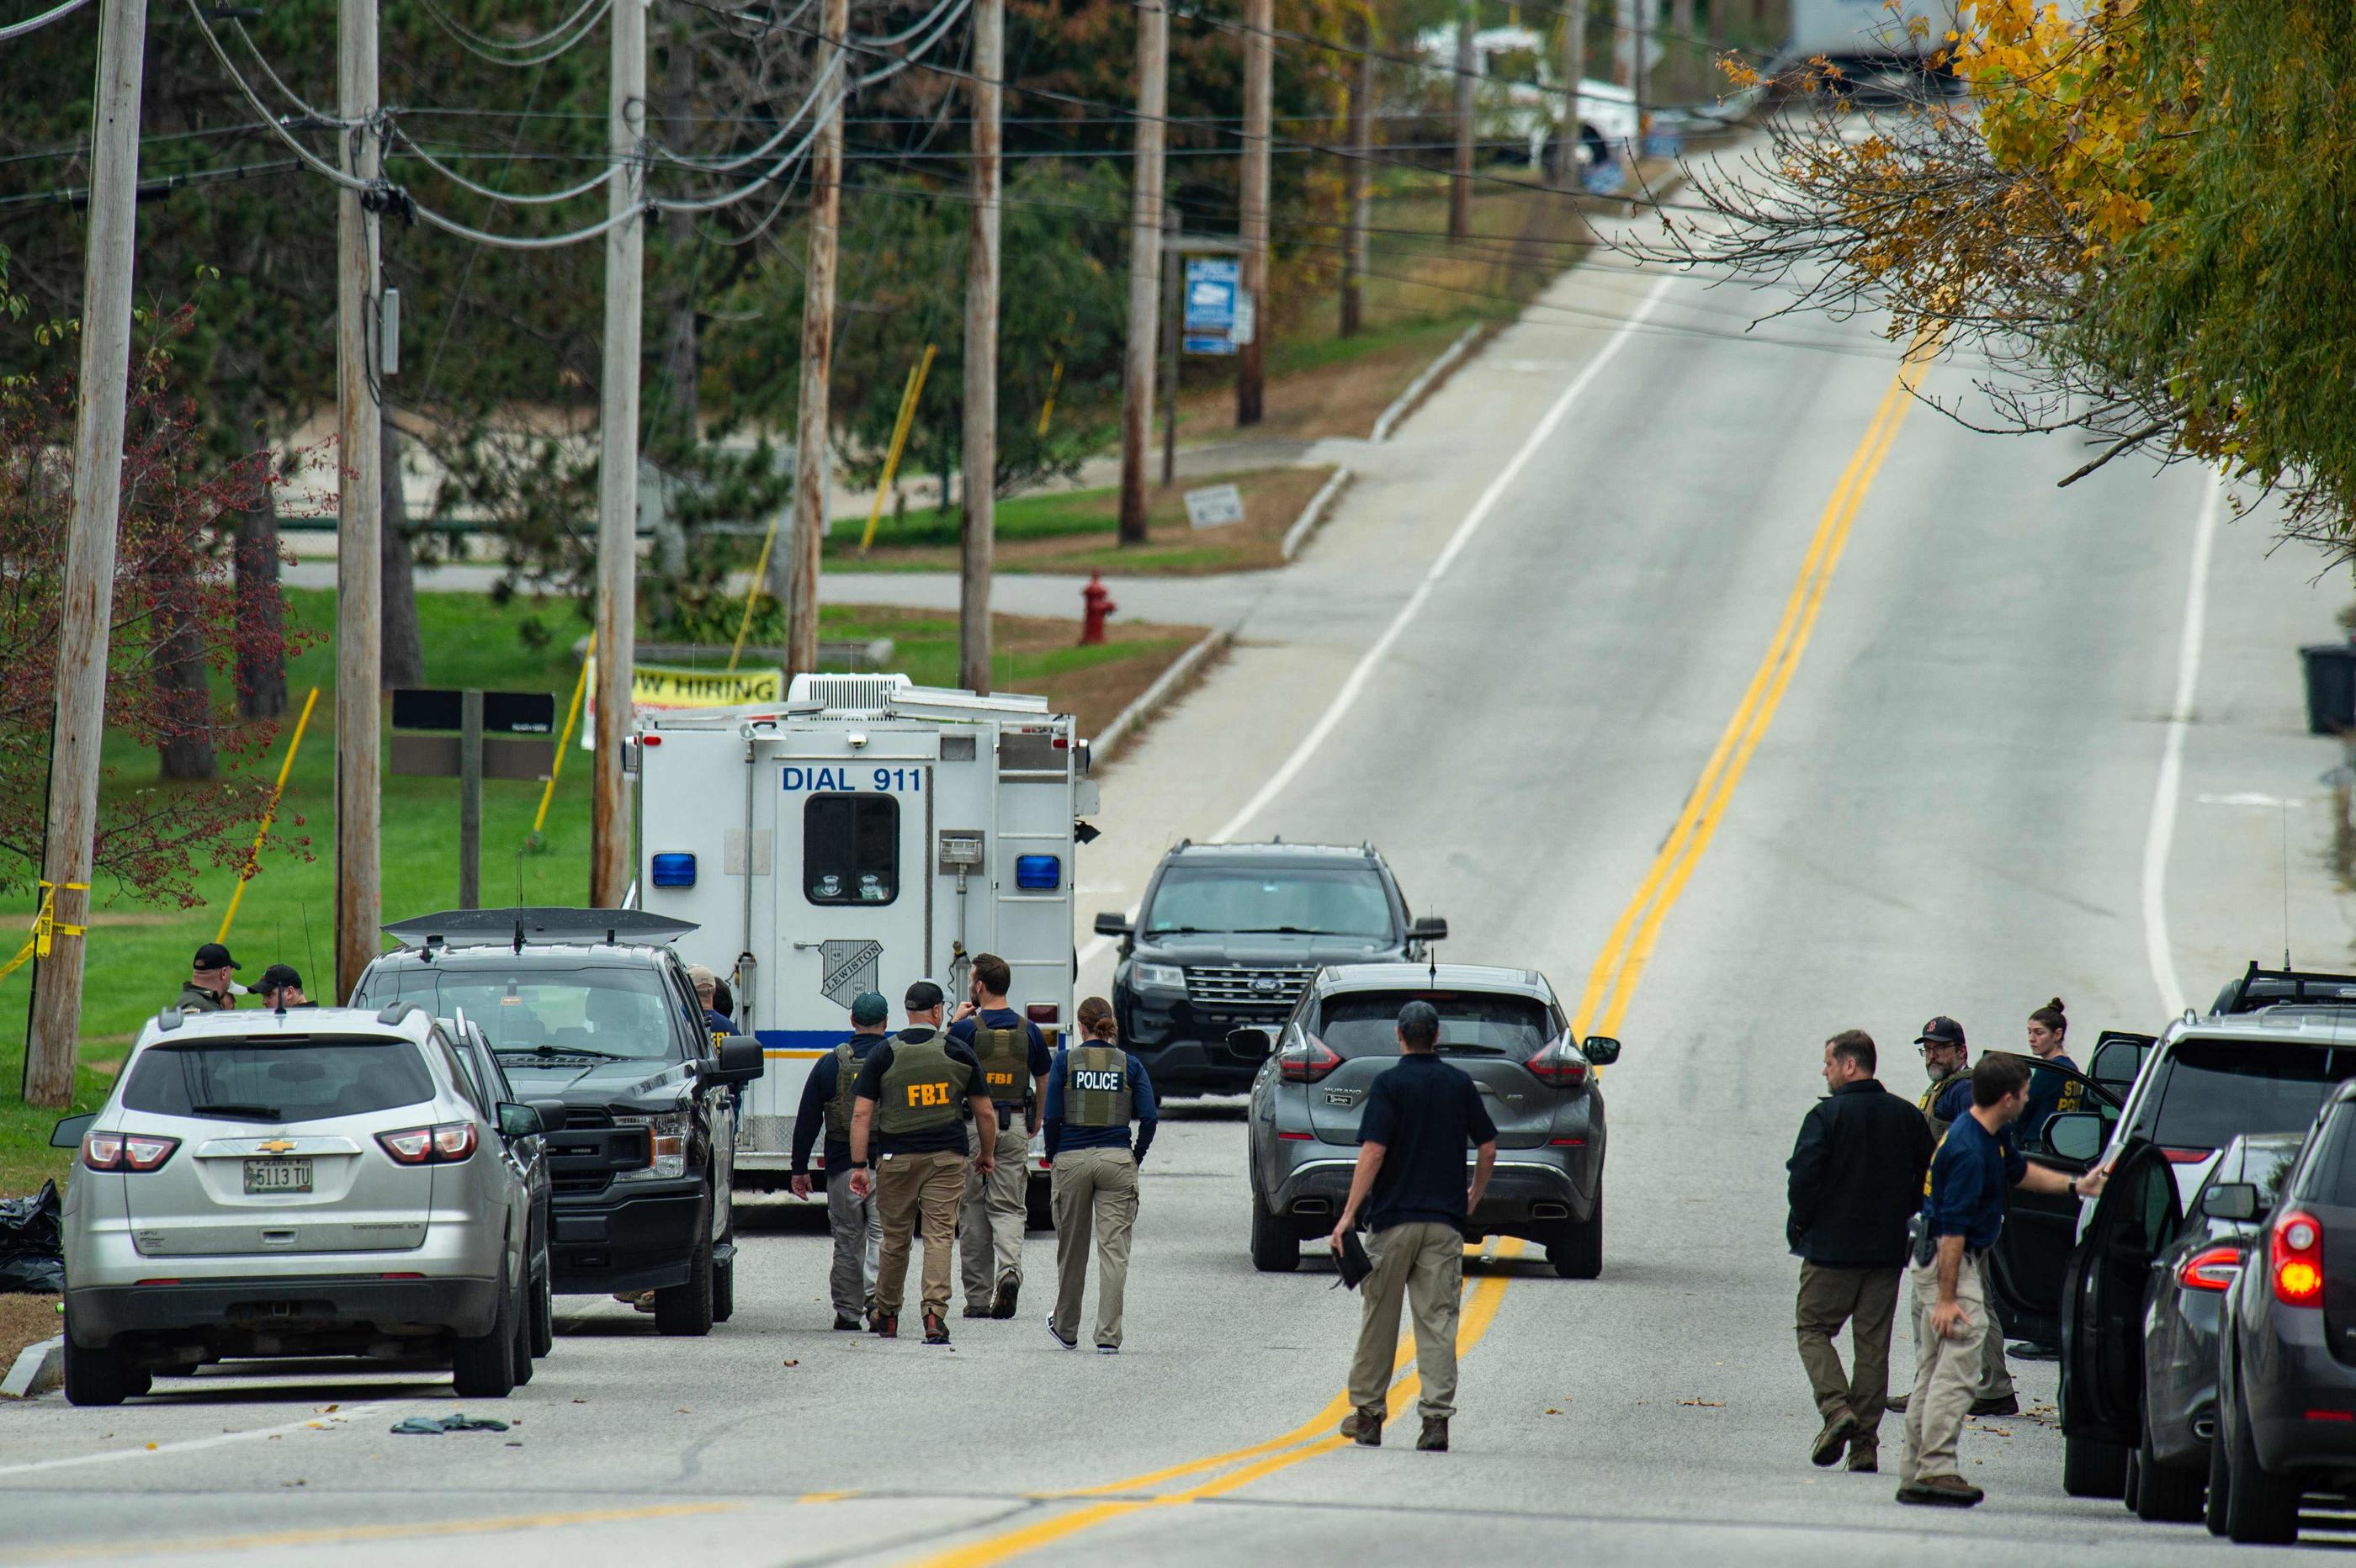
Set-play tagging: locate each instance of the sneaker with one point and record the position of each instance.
(937, 1329)
(976, 1312)
(2003, 1404)
(1434, 1439)
(2033, 1350)
(1108, 1349)
(846, 1324)
(886, 1325)
(1365, 1426)
(1002, 1304)
(645, 1302)
(1071, 1344)
(1949, 1491)
(1827, 1451)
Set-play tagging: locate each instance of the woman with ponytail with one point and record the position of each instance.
(1094, 1090)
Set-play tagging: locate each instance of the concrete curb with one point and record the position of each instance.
(1314, 513)
(1133, 717)
(39, 1369)
(1404, 404)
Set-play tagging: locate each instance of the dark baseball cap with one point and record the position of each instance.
(1941, 1030)
(276, 976)
(924, 995)
(213, 955)
(869, 1008)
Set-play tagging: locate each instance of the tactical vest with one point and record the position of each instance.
(1005, 1058)
(1096, 1087)
(1931, 1097)
(846, 1094)
(923, 1089)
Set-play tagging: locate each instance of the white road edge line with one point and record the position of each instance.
(1364, 671)
(191, 1444)
(2159, 837)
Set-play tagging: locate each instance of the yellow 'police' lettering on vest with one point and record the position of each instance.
(1105, 1078)
(928, 1093)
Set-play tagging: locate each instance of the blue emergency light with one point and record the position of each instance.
(1038, 873)
(674, 870)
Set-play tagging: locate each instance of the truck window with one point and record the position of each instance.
(850, 850)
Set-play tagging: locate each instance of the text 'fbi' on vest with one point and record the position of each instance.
(928, 1093)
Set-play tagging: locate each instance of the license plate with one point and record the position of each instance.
(278, 1175)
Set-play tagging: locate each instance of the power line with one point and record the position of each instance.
(511, 53)
(35, 23)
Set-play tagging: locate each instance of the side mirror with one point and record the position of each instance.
(1249, 1044)
(2231, 1200)
(1427, 930)
(68, 1134)
(519, 1120)
(1111, 924)
(552, 1118)
(740, 1060)
(2075, 1135)
(1600, 1049)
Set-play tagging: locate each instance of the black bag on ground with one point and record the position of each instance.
(32, 1243)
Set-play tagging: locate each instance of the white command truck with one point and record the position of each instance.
(866, 832)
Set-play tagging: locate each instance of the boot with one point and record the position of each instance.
(937, 1329)
(1363, 1425)
(1435, 1435)
(886, 1324)
(1832, 1439)
(1002, 1304)
(1951, 1491)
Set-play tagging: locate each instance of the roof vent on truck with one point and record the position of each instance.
(868, 694)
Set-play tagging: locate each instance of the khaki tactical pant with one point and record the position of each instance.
(1097, 1185)
(1866, 1299)
(858, 1227)
(1996, 1374)
(1946, 1371)
(990, 1216)
(1424, 1261)
(910, 1188)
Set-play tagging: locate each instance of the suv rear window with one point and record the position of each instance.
(1324, 900)
(1365, 1023)
(530, 1003)
(287, 1079)
(2209, 1090)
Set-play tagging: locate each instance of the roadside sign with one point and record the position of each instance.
(665, 686)
(1214, 287)
(504, 712)
(1215, 507)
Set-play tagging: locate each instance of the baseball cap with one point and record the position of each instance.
(1941, 1030)
(213, 955)
(700, 977)
(869, 1008)
(279, 974)
(923, 994)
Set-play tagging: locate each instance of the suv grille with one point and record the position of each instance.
(1256, 994)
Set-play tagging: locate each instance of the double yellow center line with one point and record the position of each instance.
(1611, 985)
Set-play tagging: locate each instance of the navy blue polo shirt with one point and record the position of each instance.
(1041, 1061)
(1426, 1114)
(1971, 1174)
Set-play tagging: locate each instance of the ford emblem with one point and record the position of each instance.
(1265, 985)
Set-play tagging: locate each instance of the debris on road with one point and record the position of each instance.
(433, 1426)
(1705, 1403)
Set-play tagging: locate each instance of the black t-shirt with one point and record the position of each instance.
(880, 1143)
(1424, 1114)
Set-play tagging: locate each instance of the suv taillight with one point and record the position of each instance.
(2295, 1260)
(1306, 1060)
(1559, 1064)
(448, 1143)
(2211, 1268)
(125, 1151)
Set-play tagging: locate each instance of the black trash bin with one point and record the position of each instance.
(2330, 687)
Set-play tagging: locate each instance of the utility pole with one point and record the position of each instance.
(981, 351)
(359, 518)
(610, 859)
(1354, 176)
(1173, 307)
(1681, 42)
(812, 472)
(1259, 65)
(86, 611)
(1574, 69)
(1639, 68)
(1144, 262)
(1460, 188)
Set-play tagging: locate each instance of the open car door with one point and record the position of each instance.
(2119, 1059)
(2025, 1267)
(2107, 1280)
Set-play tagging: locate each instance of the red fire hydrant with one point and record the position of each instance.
(1096, 606)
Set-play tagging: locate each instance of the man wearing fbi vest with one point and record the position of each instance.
(912, 1094)
(1014, 1056)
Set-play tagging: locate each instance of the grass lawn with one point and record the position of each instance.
(138, 955)
(27, 1320)
(1072, 531)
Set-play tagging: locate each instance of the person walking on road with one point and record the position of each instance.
(1962, 1212)
(1946, 1060)
(1420, 1117)
(1095, 1090)
(206, 990)
(912, 1092)
(1015, 1058)
(830, 1096)
(1855, 1178)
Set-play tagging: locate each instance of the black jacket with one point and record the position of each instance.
(1856, 1177)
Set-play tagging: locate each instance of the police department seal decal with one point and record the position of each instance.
(847, 968)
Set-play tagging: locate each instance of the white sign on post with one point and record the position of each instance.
(1215, 507)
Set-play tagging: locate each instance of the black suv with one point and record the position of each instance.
(591, 1007)
(1227, 937)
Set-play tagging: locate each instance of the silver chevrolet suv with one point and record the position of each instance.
(322, 1182)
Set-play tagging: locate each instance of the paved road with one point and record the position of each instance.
(1940, 694)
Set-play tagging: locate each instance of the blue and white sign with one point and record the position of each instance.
(1213, 293)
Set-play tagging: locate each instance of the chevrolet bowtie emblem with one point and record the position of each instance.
(275, 1146)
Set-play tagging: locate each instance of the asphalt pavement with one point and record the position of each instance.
(1750, 701)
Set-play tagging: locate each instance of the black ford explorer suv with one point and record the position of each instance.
(1226, 938)
(591, 1007)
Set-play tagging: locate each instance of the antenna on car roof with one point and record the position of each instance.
(2285, 881)
(518, 940)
